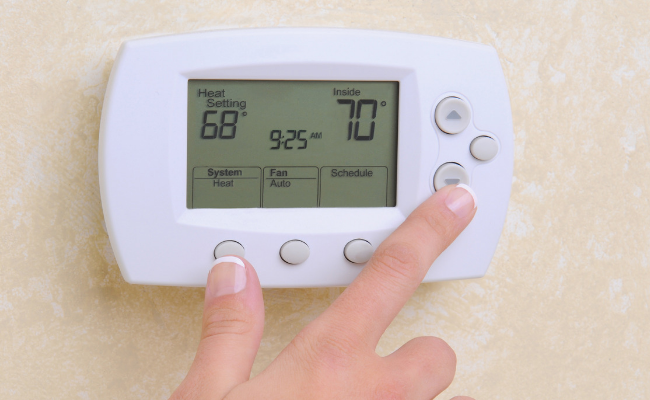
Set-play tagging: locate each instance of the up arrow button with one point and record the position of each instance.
(452, 115)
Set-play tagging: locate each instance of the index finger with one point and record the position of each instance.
(372, 301)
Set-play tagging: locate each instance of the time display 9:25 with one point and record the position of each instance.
(296, 138)
(276, 135)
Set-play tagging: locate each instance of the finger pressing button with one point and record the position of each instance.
(294, 252)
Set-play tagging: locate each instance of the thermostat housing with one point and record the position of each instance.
(301, 149)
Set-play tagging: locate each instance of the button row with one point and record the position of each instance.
(295, 252)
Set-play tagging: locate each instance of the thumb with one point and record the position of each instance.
(233, 322)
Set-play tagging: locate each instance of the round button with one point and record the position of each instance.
(358, 251)
(484, 148)
(452, 115)
(229, 248)
(450, 174)
(294, 252)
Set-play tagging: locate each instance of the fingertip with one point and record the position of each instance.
(251, 274)
(461, 200)
(234, 275)
(471, 192)
(233, 323)
(227, 276)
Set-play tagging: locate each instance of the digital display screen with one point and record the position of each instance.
(279, 144)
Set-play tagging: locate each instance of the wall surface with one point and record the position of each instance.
(562, 313)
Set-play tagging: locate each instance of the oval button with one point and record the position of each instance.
(358, 251)
(294, 252)
(229, 248)
(484, 148)
(450, 174)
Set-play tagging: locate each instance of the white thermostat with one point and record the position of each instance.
(299, 149)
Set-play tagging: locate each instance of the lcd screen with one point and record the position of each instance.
(291, 144)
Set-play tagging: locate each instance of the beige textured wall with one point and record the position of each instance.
(563, 312)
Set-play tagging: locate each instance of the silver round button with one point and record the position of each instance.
(452, 115)
(294, 252)
(358, 251)
(229, 248)
(450, 174)
(484, 148)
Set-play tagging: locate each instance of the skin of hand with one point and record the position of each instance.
(334, 356)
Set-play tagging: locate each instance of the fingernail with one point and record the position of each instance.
(227, 276)
(461, 200)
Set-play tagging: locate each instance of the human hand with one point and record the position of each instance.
(334, 356)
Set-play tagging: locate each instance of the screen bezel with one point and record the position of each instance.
(408, 181)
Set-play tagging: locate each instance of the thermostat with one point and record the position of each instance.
(299, 149)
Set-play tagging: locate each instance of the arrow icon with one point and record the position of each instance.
(453, 115)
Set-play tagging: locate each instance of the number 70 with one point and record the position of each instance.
(360, 103)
